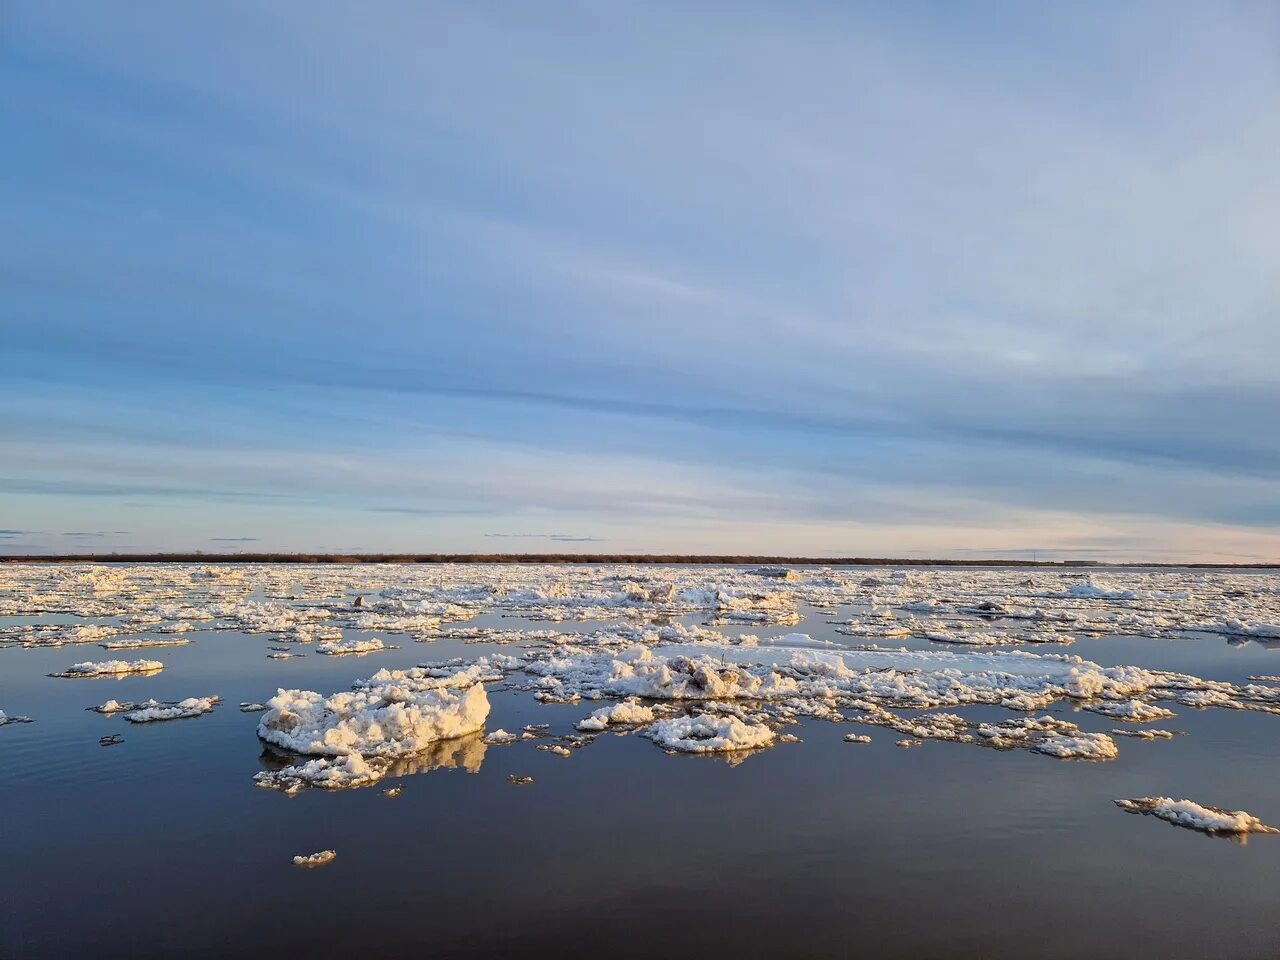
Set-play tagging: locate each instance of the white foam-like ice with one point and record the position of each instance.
(1195, 816)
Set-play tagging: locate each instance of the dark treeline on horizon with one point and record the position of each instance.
(584, 558)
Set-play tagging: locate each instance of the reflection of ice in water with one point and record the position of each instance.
(290, 772)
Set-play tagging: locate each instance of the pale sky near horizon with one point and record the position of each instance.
(826, 278)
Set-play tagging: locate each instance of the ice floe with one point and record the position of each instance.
(340, 648)
(318, 859)
(142, 644)
(1194, 816)
(182, 710)
(628, 711)
(110, 668)
(704, 733)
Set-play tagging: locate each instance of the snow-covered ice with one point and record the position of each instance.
(318, 859)
(1195, 816)
(708, 733)
(110, 668)
(182, 710)
(340, 648)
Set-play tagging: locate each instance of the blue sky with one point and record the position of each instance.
(833, 278)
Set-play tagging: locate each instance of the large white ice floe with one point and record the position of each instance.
(1194, 816)
(393, 715)
(709, 733)
(381, 720)
(110, 668)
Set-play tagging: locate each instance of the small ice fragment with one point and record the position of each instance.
(252, 707)
(182, 710)
(500, 736)
(519, 780)
(1135, 711)
(856, 738)
(629, 711)
(907, 742)
(342, 648)
(555, 748)
(393, 792)
(315, 859)
(1145, 734)
(141, 644)
(110, 668)
(110, 740)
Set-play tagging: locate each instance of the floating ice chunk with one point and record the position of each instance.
(116, 706)
(1194, 816)
(500, 736)
(382, 720)
(856, 738)
(328, 773)
(519, 780)
(110, 668)
(182, 710)
(1136, 711)
(252, 707)
(1145, 734)
(315, 859)
(340, 648)
(705, 733)
(5, 718)
(555, 748)
(909, 742)
(142, 644)
(629, 711)
(1078, 746)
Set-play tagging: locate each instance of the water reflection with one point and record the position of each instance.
(461, 753)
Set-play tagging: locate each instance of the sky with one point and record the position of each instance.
(921, 279)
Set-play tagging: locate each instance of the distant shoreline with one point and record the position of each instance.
(596, 558)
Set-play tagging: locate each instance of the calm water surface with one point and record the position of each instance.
(821, 849)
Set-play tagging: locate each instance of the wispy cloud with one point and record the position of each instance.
(563, 537)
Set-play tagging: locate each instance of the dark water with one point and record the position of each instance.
(823, 849)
